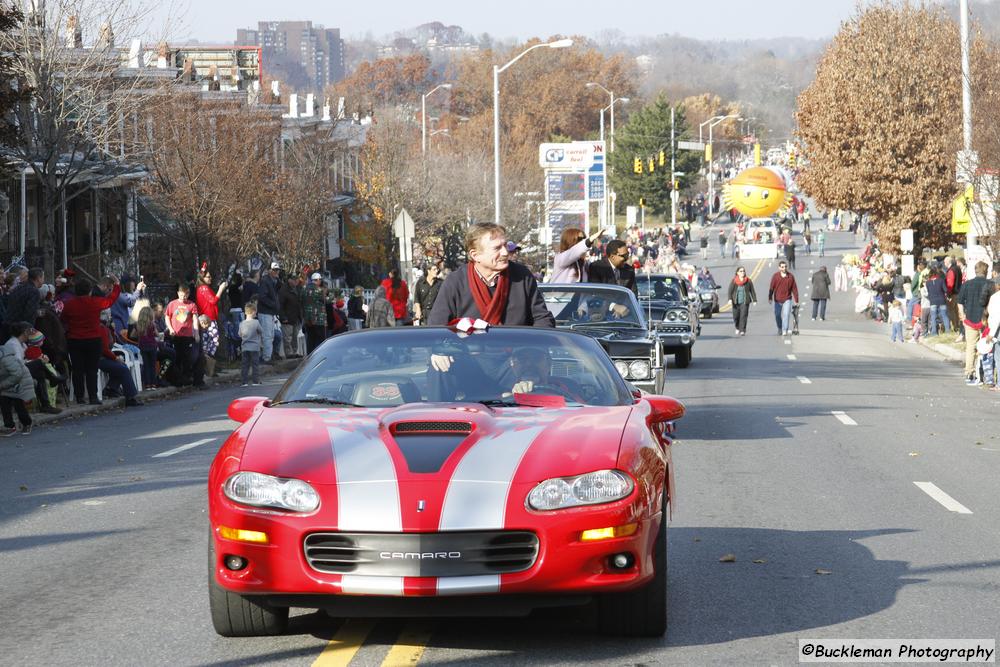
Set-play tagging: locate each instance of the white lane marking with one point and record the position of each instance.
(792, 357)
(183, 448)
(843, 418)
(788, 341)
(804, 380)
(937, 494)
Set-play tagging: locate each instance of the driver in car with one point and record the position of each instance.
(532, 369)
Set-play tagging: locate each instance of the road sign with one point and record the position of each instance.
(961, 215)
(573, 155)
(691, 145)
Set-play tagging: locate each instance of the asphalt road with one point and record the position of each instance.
(103, 543)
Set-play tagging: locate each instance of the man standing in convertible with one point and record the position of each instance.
(491, 287)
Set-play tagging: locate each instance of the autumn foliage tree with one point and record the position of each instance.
(880, 126)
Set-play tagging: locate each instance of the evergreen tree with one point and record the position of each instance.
(12, 92)
(643, 137)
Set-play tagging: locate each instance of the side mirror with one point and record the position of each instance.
(242, 409)
(664, 409)
(717, 287)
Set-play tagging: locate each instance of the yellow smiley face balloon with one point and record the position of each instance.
(757, 192)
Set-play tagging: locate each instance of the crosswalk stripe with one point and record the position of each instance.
(843, 418)
(345, 644)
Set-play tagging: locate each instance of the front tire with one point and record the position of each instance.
(642, 612)
(708, 314)
(682, 358)
(235, 615)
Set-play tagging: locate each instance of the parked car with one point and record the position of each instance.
(674, 308)
(379, 482)
(612, 315)
(708, 294)
(760, 239)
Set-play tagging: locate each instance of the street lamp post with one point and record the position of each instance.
(558, 44)
(423, 115)
(609, 212)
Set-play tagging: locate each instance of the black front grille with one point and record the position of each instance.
(433, 427)
(421, 554)
(674, 328)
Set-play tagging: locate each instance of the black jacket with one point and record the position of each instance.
(267, 296)
(426, 295)
(354, 308)
(602, 272)
(821, 285)
(751, 292)
(525, 306)
(290, 304)
(22, 303)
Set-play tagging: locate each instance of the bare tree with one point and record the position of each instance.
(84, 96)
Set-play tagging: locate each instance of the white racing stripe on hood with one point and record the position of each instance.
(477, 493)
(484, 583)
(353, 584)
(367, 489)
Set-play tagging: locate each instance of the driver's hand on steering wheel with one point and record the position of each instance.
(441, 362)
(619, 310)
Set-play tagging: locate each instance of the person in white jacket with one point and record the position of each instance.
(570, 265)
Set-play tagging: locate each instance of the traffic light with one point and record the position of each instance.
(652, 165)
(677, 184)
(637, 165)
(642, 202)
(663, 158)
(791, 160)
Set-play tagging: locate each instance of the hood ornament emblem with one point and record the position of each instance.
(421, 505)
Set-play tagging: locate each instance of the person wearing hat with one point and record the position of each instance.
(206, 297)
(17, 387)
(426, 292)
(267, 309)
(314, 300)
(514, 251)
(42, 370)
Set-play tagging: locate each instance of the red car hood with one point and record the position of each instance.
(302, 443)
(460, 461)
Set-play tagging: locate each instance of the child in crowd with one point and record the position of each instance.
(918, 327)
(896, 320)
(252, 338)
(16, 384)
(209, 342)
(148, 338)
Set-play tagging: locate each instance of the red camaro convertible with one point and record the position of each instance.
(428, 471)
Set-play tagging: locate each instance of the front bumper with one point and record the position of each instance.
(564, 564)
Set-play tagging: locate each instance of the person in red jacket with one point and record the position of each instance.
(82, 319)
(398, 294)
(784, 294)
(206, 298)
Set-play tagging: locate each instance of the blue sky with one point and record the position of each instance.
(705, 19)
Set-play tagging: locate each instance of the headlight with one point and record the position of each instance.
(671, 316)
(602, 486)
(683, 315)
(622, 368)
(639, 370)
(254, 488)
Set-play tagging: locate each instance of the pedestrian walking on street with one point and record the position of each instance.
(741, 296)
(703, 242)
(783, 293)
(251, 342)
(821, 242)
(807, 242)
(380, 311)
(722, 243)
(790, 251)
(971, 303)
(896, 321)
(570, 264)
(820, 293)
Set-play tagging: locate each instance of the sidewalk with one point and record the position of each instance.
(222, 377)
(948, 350)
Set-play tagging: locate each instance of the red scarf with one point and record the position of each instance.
(491, 308)
(738, 281)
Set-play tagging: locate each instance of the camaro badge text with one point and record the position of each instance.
(412, 555)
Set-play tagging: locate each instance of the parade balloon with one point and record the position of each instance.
(757, 192)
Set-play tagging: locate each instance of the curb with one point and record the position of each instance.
(949, 353)
(226, 377)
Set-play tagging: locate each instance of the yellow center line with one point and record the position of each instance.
(753, 276)
(345, 644)
(410, 646)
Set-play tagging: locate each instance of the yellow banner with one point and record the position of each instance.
(708, 152)
(756, 155)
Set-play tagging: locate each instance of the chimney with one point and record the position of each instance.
(74, 33)
(326, 110)
(293, 106)
(310, 101)
(106, 40)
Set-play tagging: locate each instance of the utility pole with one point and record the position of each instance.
(673, 190)
(967, 160)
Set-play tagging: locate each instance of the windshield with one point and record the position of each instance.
(666, 288)
(588, 304)
(390, 367)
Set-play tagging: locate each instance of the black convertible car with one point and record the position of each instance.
(613, 316)
(674, 310)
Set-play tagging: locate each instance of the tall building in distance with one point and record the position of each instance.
(304, 56)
